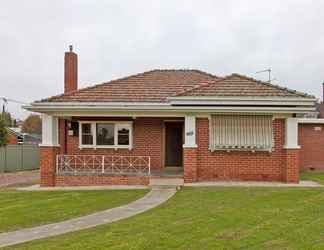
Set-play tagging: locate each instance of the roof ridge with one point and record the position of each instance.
(201, 85)
(269, 84)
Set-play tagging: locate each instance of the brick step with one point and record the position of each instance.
(164, 181)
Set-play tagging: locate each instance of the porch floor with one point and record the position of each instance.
(168, 172)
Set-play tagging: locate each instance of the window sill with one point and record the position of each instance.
(242, 150)
(105, 147)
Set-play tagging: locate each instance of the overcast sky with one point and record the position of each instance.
(118, 38)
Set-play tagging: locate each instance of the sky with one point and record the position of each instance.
(117, 38)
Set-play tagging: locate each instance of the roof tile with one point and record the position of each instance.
(240, 85)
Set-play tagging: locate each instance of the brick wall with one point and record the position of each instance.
(147, 141)
(98, 180)
(190, 161)
(239, 165)
(12, 139)
(47, 165)
(291, 169)
(311, 140)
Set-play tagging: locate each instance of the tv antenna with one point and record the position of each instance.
(5, 102)
(269, 74)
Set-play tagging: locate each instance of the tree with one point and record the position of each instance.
(3, 133)
(32, 124)
(7, 119)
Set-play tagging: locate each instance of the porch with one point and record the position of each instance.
(114, 150)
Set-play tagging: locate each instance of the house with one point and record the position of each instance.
(17, 137)
(186, 123)
(14, 136)
(311, 139)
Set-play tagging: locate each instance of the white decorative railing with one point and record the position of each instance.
(102, 164)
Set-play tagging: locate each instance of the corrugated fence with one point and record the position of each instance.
(19, 157)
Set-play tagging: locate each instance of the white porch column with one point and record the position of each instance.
(49, 131)
(190, 131)
(291, 134)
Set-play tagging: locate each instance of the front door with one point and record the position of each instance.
(173, 144)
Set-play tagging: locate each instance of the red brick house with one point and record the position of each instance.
(200, 126)
(14, 136)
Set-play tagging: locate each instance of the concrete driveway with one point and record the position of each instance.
(19, 178)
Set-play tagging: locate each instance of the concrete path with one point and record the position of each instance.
(252, 184)
(154, 198)
(37, 187)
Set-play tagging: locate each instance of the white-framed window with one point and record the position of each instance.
(105, 134)
(241, 132)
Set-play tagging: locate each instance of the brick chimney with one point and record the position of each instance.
(323, 91)
(70, 70)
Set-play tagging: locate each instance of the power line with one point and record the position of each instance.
(6, 100)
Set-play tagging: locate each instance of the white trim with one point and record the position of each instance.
(229, 104)
(49, 145)
(311, 121)
(291, 134)
(50, 137)
(117, 104)
(94, 134)
(190, 132)
(162, 110)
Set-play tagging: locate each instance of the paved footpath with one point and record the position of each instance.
(154, 198)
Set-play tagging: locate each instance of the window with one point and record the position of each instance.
(241, 132)
(106, 134)
(123, 134)
(87, 138)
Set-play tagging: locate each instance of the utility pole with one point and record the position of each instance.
(5, 102)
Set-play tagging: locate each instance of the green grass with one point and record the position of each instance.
(212, 218)
(313, 176)
(27, 209)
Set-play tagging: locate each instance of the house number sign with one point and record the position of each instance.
(190, 133)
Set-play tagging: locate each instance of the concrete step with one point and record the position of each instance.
(163, 181)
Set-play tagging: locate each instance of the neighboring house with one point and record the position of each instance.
(197, 125)
(17, 137)
(311, 139)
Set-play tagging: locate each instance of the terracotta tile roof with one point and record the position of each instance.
(239, 85)
(157, 85)
(151, 86)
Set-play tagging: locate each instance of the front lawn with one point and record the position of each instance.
(27, 209)
(212, 218)
(313, 176)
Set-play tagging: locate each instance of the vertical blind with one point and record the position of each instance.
(241, 132)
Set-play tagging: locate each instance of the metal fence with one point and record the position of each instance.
(19, 157)
(103, 164)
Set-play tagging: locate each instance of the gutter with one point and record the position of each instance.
(311, 121)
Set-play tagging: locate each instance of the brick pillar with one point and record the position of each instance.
(48, 165)
(291, 171)
(190, 164)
